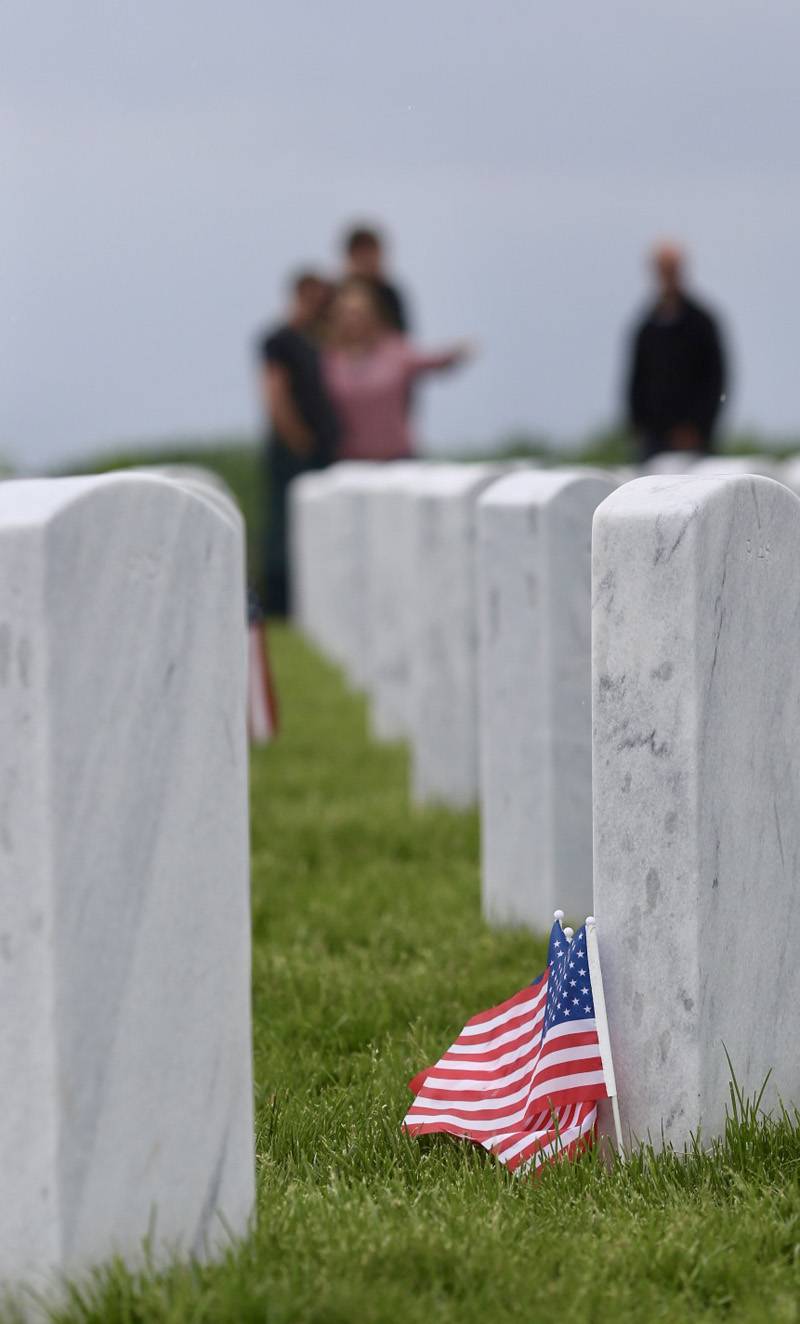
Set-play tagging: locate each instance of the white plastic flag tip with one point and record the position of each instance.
(601, 1021)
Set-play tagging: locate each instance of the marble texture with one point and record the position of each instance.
(345, 569)
(308, 520)
(534, 626)
(328, 563)
(350, 563)
(192, 475)
(125, 1050)
(392, 592)
(443, 680)
(696, 693)
(205, 483)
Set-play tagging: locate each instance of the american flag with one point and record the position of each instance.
(523, 1079)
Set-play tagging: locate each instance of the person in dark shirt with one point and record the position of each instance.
(676, 384)
(303, 432)
(364, 259)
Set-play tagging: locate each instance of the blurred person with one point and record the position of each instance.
(369, 371)
(303, 428)
(676, 382)
(364, 256)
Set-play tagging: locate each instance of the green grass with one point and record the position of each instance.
(369, 953)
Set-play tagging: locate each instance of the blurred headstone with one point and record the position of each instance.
(534, 616)
(671, 462)
(262, 701)
(308, 552)
(789, 473)
(195, 477)
(731, 466)
(350, 564)
(443, 644)
(328, 566)
(392, 589)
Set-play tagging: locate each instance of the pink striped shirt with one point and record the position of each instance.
(370, 393)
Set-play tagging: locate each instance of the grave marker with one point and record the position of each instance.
(443, 651)
(327, 561)
(392, 591)
(671, 462)
(696, 690)
(125, 1045)
(534, 619)
(789, 473)
(731, 466)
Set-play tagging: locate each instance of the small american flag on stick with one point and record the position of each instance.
(524, 1078)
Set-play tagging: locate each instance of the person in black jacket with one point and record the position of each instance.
(364, 259)
(676, 384)
(303, 428)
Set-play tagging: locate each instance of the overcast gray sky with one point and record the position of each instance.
(165, 164)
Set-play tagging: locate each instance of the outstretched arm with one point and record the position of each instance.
(438, 360)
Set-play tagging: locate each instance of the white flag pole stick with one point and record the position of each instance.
(601, 1021)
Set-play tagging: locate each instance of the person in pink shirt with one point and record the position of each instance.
(369, 372)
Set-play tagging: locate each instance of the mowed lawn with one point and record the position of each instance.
(369, 953)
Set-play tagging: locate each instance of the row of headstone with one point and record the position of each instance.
(674, 818)
(383, 575)
(125, 1047)
(124, 950)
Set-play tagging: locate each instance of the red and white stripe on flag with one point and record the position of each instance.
(262, 707)
(522, 1079)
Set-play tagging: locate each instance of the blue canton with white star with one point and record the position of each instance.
(569, 989)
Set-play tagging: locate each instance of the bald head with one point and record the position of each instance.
(668, 262)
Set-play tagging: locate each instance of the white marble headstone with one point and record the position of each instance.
(206, 483)
(328, 564)
(731, 466)
(789, 472)
(125, 1045)
(392, 588)
(671, 462)
(534, 619)
(696, 689)
(193, 475)
(443, 673)
(350, 564)
(308, 520)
